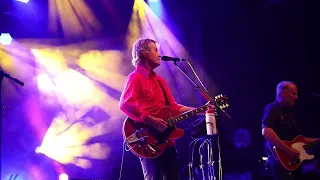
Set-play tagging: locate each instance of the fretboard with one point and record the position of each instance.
(173, 121)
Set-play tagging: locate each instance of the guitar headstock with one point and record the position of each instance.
(222, 101)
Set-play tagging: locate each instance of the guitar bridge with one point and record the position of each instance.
(138, 136)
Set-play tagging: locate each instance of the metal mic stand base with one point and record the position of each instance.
(210, 166)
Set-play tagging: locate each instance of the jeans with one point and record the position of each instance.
(164, 167)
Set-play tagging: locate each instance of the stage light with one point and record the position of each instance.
(157, 7)
(76, 18)
(24, 1)
(33, 51)
(63, 177)
(37, 150)
(45, 84)
(5, 39)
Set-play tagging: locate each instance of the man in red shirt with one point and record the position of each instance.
(143, 97)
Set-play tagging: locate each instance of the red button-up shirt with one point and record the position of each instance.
(142, 95)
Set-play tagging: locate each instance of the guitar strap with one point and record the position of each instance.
(164, 93)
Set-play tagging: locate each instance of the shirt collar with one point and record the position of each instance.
(145, 72)
(284, 108)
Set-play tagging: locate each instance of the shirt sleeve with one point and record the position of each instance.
(128, 100)
(269, 117)
(173, 104)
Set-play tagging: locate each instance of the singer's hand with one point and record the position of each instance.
(210, 108)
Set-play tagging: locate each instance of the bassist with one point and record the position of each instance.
(278, 124)
(144, 94)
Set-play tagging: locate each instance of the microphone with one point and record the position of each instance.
(167, 58)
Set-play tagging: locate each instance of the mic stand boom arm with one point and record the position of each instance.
(4, 74)
(203, 92)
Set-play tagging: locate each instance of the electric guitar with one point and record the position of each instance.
(145, 141)
(300, 145)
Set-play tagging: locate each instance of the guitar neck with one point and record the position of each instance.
(172, 121)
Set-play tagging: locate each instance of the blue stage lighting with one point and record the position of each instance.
(24, 1)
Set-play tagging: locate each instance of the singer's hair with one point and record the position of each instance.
(140, 47)
(283, 85)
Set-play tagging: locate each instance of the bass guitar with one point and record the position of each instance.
(300, 145)
(147, 142)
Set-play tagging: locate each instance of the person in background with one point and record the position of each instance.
(279, 124)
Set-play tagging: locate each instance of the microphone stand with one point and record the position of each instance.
(208, 97)
(203, 92)
(3, 75)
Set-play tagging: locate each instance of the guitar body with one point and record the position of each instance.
(298, 144)
(146, 141)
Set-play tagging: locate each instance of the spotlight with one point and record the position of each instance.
(5, 39)
(63, 177)
(150, 1)
(37, 150)
(24, 1)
